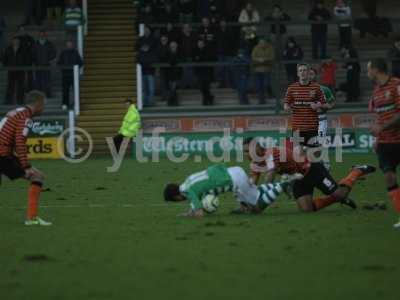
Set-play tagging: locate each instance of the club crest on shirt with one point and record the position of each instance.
(312, 94)
(388, 95)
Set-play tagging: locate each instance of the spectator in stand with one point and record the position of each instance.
(187, 45)
(241, 71)
(73, 17)
(147, 38)
(204, 73)
(263, 57)
(214, 8)
(168, 14)
(342, 12)
(249, 15)
(14, 57)
(54, 10)
(232, 9)
(328, 74)
(27, 42)
(207, 34)
(208, 8)
(162, 57)
(352, 84)
(3, 27)
(394, 56)
(171, 32)
(226, 50)
(147, 58)
(44, 53)
(278, 15)
(68, 58)
(147, 14)
(187, 9)
(173, 74)
(319, 32)
(292, 52)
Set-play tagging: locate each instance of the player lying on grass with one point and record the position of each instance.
(290, 159)
(14, 129)
(218, 179)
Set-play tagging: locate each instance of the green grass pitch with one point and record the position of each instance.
(114, 238)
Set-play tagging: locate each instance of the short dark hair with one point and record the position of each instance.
(171, 191)
(380, 64)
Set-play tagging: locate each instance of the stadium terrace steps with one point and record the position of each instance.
(110, 64)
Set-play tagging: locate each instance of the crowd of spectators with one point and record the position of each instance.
(24, 51)
(57, 12)
(38, 54)
(199, 32)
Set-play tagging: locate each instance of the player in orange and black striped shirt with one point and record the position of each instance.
(385, 102)
(291, 159)
(14, 129)
(303, 99)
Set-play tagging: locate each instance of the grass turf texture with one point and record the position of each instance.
(133, 246)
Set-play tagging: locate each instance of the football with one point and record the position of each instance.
(210, 203)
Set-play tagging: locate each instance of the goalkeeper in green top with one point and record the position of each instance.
(218, 179)
(130, 125)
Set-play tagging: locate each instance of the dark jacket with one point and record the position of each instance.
(208, 35)
(162, 53)
(282, 28)
(27, 43)
(203, 55)
(43, 54)
(68, 58)
(227, 42)
(325, 15)
(147, 59)
(187, 44)
(173, 73)
(14, 59)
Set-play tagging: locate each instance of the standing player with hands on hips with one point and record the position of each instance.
(14, 129)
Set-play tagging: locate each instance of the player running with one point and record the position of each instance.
(218, 179)
(385, 102)
(14, 128)
(289, 159)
